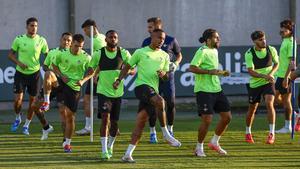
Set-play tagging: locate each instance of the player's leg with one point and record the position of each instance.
(19, 93)
(50, 81)
(269, 100)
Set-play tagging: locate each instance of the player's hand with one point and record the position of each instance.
(285, 83)
(161, 73)
(65, 79)
(292, 66)
(224, 73)
(79, 83)
(173, 67)
(23, 66)
(269, 78)
(95, 79)
(116, 83)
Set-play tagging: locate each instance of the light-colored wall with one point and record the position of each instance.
(187, 19)
(52, 16)
(184, 19)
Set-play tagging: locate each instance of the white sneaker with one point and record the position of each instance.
(83, 132)
(127, 159)
(199, 153)
(217, 148)
(172, 141)
(46, 132)
(284, 130)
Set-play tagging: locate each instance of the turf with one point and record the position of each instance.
(19, 151)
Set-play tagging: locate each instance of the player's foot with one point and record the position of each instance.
(270, 139)
(153, 138)
(127, 159)
(217, 148)
(297, 126)
(67, 148)
(249, 138)
(46, 132)
(83, 132)
(45, 107)
(199, 153)
(172, 141)
(110, 152)
(104, 156)
(25, 131)
(284, 130)
(15, 125)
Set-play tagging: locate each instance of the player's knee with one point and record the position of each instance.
(160, 104)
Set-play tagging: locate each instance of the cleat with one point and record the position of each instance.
(249, 138)
(25, 131)
(199, 153)
(127, 159)
(284, 130)
(67, 148)
(110, 152)
(153, 138)
(172, 141)
(217, 148)
(46, 132)
(104, 156)
(45, 107)
(15, 125)
(297, 126)
(270, 139)
(83, 132)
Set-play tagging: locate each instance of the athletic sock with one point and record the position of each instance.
(130, 149)
(199, 146)
(215, 139)
(47, 98)
(46, 127)
(111, 141)
(165, 132)
(248, 130)
(87, 123)
(152, 130)
(18, 116)
(272, 128)
(27, 122)
(170, 128)
(287, 124)
(104, 144)
(68, 141)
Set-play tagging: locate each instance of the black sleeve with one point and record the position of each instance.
(176, 48)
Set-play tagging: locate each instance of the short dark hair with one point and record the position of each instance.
(288, 24)
(155, 20)
(66, 33)
(88, 22)
(257, 34)
(31, 19)
(207, 34)
(158, 30)
(111, 31)
(78, 37)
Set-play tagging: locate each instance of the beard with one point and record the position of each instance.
(112, 45)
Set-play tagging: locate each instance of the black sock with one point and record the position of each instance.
(46, 127)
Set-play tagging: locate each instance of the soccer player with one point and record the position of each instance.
(28, 47)
(108, 61)
(43, 102)
(209, 94)
(152, 64)
(262, 63)
(69, 67)
(167, 87)
(98, 43)
(282, 86)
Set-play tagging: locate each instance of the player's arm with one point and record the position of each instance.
(89, 74)
(124, 72)
(197, 70)
(12, 56)
(56, 70)
(268, 77)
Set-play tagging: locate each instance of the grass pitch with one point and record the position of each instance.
(19, 151)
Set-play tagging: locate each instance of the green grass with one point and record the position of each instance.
(19, 151)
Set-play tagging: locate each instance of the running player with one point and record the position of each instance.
(262, 63)
(69, 68)
(167, 87)
(282, 86)
(28, 47)
(152, 63)
(209, 94)
(108, 61)
(98, 43)
(43, 102)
